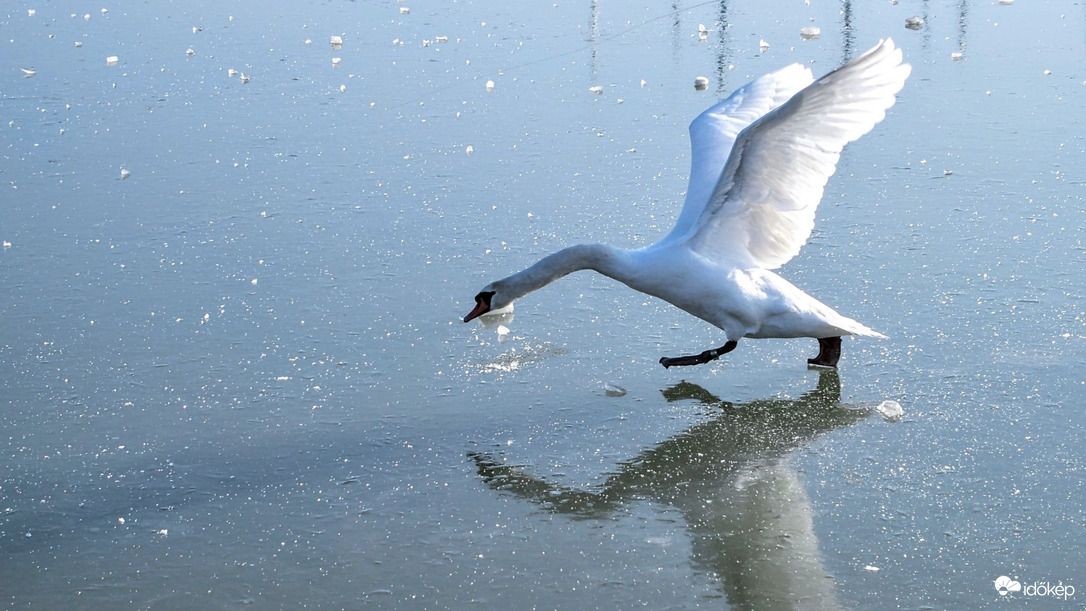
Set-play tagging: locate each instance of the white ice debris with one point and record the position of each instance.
(1006, 2)
(335, 61)
(79, 43)
(763, 45)
(404, 10)
(701, 83)
(112, 60)
(596, 89)
(873, 569)
(31, 12)
(469, 149)
(490, 85)
(810, 32)
(231, 72)
(125, 173)
(245, 78)
(337, 41)
(28, 71)
(915, 22)
(342, 88)
(503, 331)
(613, 390)
(6, 244)
(441, 39)
(956, 55)
(703, 32)
(190, 52)
(890, 410)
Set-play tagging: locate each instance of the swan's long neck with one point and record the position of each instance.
(607, 260)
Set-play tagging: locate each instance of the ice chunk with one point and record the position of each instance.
(956, 55)
(190, 52)
(440, 39)
(1006, 2)
(335, 61)
(703, 32)
(404, 10)
(342, 88)
(915, 22)
(125, 173)
(337, 41)
(469, 149)
(810, 32)
(112, 60)
(613, 390)
(890, 410)
(596, 89)
(231, 72)
(28, 72)
(6, 244)
(245, 78)
(701, 83)
(31, 12)
(763, 45)
(79, 43)
(873, 569)
(490, 85)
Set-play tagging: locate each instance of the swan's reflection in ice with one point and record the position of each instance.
(746, 510)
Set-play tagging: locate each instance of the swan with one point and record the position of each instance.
(760, 162)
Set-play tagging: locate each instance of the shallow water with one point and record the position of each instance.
(236, 376)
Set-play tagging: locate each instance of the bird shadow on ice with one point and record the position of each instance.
(745, 507)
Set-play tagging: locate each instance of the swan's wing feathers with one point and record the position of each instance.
(762, 208)
(713, 133)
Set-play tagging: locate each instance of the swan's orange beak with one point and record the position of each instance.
(480, 308)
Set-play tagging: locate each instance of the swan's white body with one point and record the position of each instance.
(761, 159)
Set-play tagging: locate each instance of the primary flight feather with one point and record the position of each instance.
(760, 162)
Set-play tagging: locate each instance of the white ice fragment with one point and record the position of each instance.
(469, 149)
(31, 12)
(703, 32)
(337, 40)
(86, 17)
(336, 60)
(79, 43)
(490, 85)
(342, 88)
(105, 10)
(810, 32)
(231, 72)
(890, 410)
(915, 22)
(1006, 2)
(28, 71)
(7, 244)
(441, 39)
(125, 173)
(120, 520)
(613, 390)
(112, 60)
(763, 45)
(1047, 72)
(404, 10)
(873, 569)
(190, 52)
(701, 83)
(253, 281)
(502, 330)
(245, 78)
(644, 82)
(956, 55)
(596, 89)
(308, 41)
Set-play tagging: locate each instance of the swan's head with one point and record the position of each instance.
(491, 300)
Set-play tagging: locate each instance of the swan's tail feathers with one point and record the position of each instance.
(855, 328)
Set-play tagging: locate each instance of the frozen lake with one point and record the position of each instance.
(233, 372)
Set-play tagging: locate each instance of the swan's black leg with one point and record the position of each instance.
(698, 359)
(829, 351)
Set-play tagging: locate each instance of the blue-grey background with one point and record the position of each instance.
(237, 377)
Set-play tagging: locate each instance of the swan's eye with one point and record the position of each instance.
(484, 297)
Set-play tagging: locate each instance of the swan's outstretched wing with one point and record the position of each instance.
(713, 133)
(762, 208)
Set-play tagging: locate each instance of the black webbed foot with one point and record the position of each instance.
(829, 352)
(698, 359)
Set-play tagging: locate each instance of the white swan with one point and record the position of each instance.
(761, 159)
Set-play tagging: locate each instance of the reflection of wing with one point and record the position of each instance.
(713, 133)
(762, 209)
